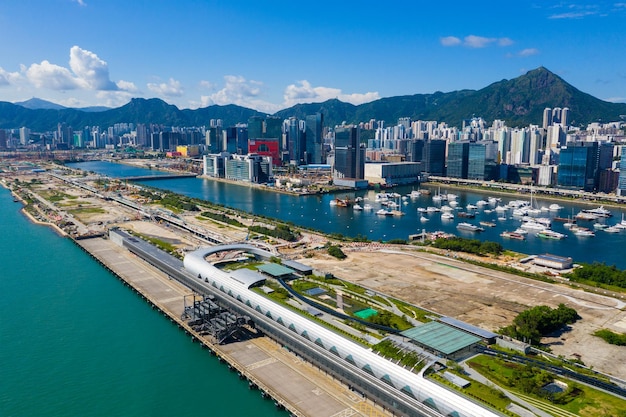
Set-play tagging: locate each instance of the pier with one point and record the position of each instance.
(292, 383)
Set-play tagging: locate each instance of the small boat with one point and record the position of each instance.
(501, 219)
(600, 212)
(583, 231)
(521, 231)
(600, 226)
(451, 196)
(487, 224)
(383, 212)
(446, 208)
(415, 194)
(533, 226)
(357, 207)
(423, 219)
(613, 229)
(421, 210)
(333, 202)
(501, 209)
(447, 216)
(481, 203)
(367, 207)
(551, 234)
(513, 235)
(466, 215)
(554, 207)
(471, 207)
(431, 209)
(493, 200)
(453, 203)
(469, 227)
(585, 215)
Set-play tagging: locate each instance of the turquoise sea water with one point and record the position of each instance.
(75, 342)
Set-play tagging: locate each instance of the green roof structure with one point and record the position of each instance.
(440, 337)
(275, 270)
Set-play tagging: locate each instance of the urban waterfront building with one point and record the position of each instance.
(578, 166)
(434, 157)
(249, 168)
(458, 153)
(388, 173)
(314, 136)
(349, 155)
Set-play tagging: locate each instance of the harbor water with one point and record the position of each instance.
(316, 212)
(76, 342)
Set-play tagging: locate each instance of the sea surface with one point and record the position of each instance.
(316, 212)
(74, 341)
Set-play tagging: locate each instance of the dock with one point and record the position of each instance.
(280, 375)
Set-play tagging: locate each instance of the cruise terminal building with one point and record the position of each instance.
(404, 392)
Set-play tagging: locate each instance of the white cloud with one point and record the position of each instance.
(172, 88)
(237, 90)
(54, 77)
(207, 84)
(127, 86)
(114, 98)
(528, 52)
(7, 78)
(474, 41)
(450, 41)
(90, 69)
(305, 93)
(80, 2)
(616, 99)
(572, 15)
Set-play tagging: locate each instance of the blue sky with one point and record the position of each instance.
(270, 55)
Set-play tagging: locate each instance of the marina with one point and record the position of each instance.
(421, 213)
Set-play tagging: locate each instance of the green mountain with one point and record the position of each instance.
(138, 110)
(519, 102)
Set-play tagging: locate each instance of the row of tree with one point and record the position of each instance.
(598, 273)
(281, 231)
(474, 246)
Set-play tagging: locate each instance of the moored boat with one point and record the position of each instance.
(513, 235)
(551, 234)
(469, 227)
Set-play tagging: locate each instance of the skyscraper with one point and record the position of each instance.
(314, 138)
(458, 153)
(434, 157)
(578, 166)
(349, 155)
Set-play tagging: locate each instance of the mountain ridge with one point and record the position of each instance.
(519, 101)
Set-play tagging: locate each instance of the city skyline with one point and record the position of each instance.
(269, 57)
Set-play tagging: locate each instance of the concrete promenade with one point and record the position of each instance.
(294, 384)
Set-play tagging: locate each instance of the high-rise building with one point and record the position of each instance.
(434, 157)
(547, 117)
(481, 161)
(578, 166)
(3, 139)
(349, 154)
(273, 128)
(255, 127)
(458, 153)
(24, 135)
(314, 138)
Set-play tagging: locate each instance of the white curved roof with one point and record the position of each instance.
(402, 379)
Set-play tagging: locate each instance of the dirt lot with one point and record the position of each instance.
(485, 298)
